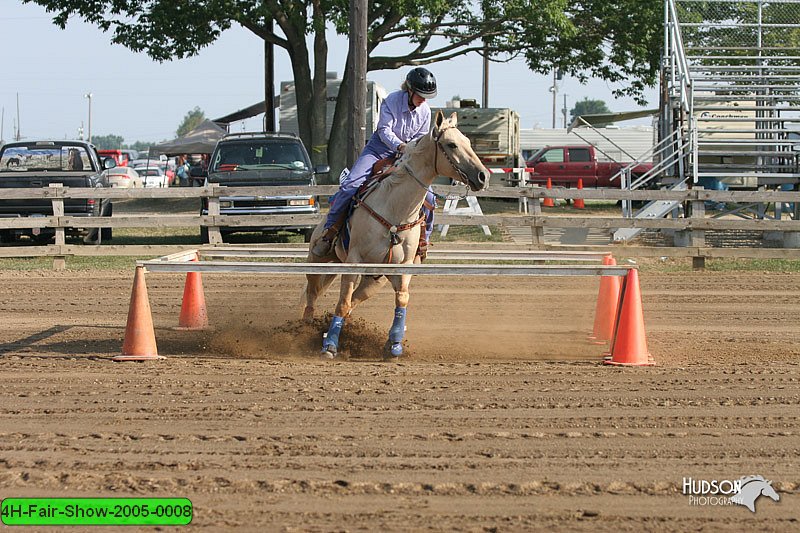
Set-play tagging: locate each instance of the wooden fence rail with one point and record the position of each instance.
(694, 225)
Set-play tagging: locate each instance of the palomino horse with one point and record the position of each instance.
(386, 227)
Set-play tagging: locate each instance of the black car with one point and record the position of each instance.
(257, 160)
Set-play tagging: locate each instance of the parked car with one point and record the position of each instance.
(565, 165)
(263, 160)
(120, 157)
(153, 177)
(124, 178)
(131, 153)
(152, 161)
(37, 164)
(162, 162)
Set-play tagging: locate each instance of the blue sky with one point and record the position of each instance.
(142, 100)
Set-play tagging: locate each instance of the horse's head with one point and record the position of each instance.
(769, 492)
(459, 162)
(751, 488)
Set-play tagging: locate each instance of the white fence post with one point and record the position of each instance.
(60, 261)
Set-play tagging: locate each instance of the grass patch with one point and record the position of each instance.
(468, 233)
(190, 236)
(510, 207)
(667, 265)
(80, 263)
(759, 265)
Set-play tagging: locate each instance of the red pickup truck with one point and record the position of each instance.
(565, 165)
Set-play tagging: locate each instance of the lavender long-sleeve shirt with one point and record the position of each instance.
(398, 124)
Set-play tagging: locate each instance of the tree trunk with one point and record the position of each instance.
(337, 144)
(303, 90)
(319, 100)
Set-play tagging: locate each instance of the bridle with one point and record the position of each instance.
(437, 141)
(446, 156)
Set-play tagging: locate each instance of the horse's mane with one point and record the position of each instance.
(748, 479)
(401, 173)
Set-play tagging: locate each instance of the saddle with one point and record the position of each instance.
(383, 167)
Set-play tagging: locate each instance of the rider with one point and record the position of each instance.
(404, 117)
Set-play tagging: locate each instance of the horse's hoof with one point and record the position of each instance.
(329, 351)
(392, 350)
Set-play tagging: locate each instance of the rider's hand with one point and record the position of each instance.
(401, 148)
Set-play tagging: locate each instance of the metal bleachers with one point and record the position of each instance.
(743, 59)
(732, 75)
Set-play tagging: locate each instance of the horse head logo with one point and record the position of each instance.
(751, 488)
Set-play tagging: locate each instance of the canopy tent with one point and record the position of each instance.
(200, 140)
(248, 112)
(601, 119)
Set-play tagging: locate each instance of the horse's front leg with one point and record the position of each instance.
(398, 329)
(366, 289)
(330, 345)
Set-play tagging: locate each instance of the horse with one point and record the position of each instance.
(385, 227)
(751, 488)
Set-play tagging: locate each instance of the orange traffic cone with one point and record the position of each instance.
(193, 307)
(579, 204)
(629, 347)
(548, 202)
(140, 338)
(605, 313)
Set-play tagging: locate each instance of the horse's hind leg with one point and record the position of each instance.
(398, 329)
(316, 285)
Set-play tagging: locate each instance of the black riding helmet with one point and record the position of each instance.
(421, 81)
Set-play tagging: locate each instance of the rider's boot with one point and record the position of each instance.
(323, 245)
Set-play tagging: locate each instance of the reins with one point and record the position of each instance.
(436, 170)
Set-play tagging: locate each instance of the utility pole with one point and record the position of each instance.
(2, 123)
(18, 136)
(554, 90)
(564, 110)
(485, 100)
(89, 134)
(269, 82)
(357, 65)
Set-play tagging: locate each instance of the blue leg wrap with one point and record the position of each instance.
(398, 330)
(331, 341)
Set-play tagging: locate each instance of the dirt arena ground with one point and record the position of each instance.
(500, 419)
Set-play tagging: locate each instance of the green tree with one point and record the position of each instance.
(589, 107)
(617, 40)
(141, 146)
(191, 120)
(107, 142)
